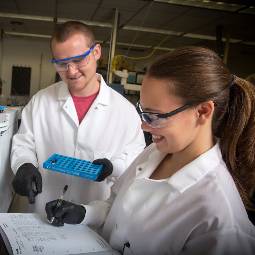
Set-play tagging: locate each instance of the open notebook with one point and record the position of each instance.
(28, 233)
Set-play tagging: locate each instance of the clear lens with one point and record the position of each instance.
(153, 120)
(61, 66)
(149, 118)
(76, 62)
(80, 61)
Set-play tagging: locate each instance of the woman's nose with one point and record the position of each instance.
(145, 127)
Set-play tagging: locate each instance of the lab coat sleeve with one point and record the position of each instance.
(228, 242)
(97, 211)
(23, 145)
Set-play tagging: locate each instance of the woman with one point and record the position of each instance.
(180, 196)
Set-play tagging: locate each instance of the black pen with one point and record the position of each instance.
(60, 200)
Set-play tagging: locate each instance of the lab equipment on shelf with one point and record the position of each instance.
(129, 80)
(8, 126)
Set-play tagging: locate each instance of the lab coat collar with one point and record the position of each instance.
(196, 170)
(186, 176)
(148, 165)
(62, 91)
(103, 97)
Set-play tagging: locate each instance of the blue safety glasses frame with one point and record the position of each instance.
(158, 120)
(62, 64)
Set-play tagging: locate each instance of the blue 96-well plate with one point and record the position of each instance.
(73, 166)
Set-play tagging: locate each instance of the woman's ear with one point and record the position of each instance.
(205, 111)
(97, 51)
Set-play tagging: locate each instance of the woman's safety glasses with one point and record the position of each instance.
(158, 120)
(79, 61)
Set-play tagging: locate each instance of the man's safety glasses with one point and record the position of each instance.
(158, 120)
(78, 61)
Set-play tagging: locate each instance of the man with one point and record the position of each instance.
(79, 117)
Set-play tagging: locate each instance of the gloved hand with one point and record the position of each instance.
(107, 168)
(28, 182)
(66, 212)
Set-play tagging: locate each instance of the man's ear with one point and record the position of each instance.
(97, 51)
(205, 111)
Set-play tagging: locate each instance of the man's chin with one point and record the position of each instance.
(76, 90)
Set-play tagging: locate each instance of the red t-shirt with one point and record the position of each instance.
(82, 105)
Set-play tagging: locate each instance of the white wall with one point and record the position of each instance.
(27, 52)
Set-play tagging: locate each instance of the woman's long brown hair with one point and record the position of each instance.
(198, 74)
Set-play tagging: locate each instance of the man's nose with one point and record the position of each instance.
(71, 67)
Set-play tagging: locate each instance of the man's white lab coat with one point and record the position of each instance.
(196, 211)
(111, 129)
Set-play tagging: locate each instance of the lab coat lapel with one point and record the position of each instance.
(70, 110)
(147, 167)
(68, 105)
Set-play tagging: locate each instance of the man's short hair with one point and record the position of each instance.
(65, 30)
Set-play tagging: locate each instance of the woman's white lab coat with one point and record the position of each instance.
(111, 129)
(196, 211)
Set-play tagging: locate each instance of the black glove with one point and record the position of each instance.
(107, 168)
(66, 212)
(28, 182)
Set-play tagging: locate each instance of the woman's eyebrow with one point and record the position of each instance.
(151, 110)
